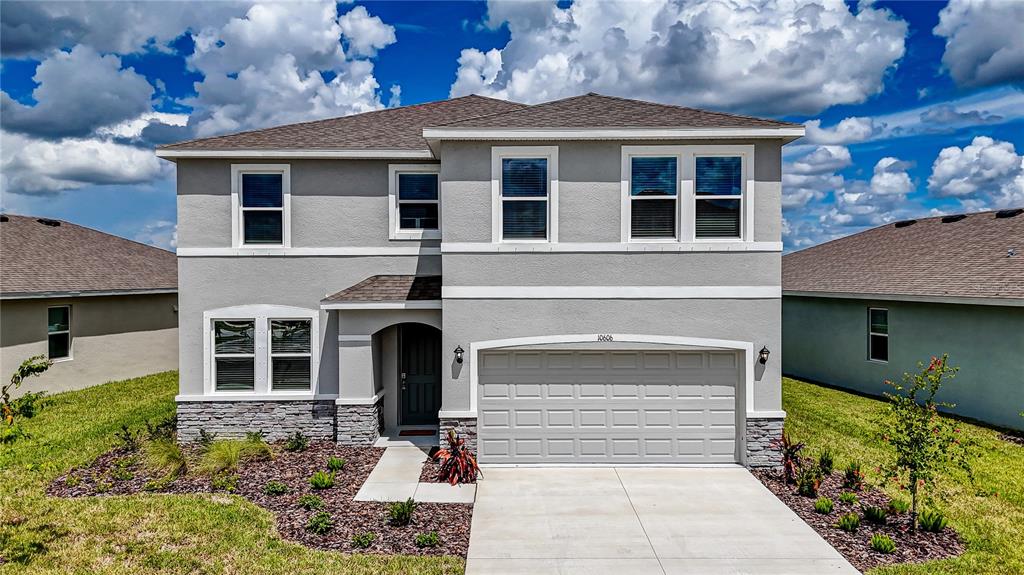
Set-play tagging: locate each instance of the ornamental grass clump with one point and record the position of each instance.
(400, 512)
(882, 543)
(310, 502)
(875, 515)
(848, 497)
(457, 462)
(225, 455)
(826, 461)
(164, 455)
(321, 480)
(849, 522)
(933, 521)
(335, 463)
(823, 505)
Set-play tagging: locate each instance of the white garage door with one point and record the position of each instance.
(607, 406)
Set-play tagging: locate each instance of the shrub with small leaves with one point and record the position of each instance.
(72, 480)
(163, 429)
(400, 512)
(823, 505)
(898, 506)
(128, 438)
(296, 442)
(320, 523)
(875, 515)
(223, 481)
(882, 543)
(933, 521)
(275, 488)
(807, 481)
(158, 484)
(310, 502)
(363, 540)
(335, 463)
(321, 480)
(103, 485)
(826, 461)
(121, 472)
(848, 497)
(429, 539)
(849, 522)
(853, 477)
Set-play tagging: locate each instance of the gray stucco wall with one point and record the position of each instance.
(113, 337)
(826, 340)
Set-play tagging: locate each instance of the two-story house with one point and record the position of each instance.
(588, 280)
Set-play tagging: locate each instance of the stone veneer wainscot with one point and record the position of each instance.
(276, 419)
(764, 437)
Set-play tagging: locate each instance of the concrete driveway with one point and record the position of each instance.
(630, 521)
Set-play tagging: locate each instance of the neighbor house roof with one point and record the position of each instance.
(42, 257)
(390, 288)
(978, 255)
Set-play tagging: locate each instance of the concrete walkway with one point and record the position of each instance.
(396, 477)
(663, 521)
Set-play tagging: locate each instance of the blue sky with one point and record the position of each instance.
(912, 108)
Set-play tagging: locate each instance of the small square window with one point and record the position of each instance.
(417, 202)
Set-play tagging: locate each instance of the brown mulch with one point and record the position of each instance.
(431, 468)
(911, 546)
(121, 472)
(1018, 439)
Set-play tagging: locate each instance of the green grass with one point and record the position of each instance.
(988, 512)
(147, 533)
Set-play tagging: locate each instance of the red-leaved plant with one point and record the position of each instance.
(457, 463)
(790, 456)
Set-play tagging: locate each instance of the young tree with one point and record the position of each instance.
(923, 441)
(9, 428)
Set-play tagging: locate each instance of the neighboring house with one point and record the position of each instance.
(588, 280)
(101, 307)
(868, 307)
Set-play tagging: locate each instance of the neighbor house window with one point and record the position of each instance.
(234, 355)
(653, 191)
(878, 334)
(414, 199)
(525, 196)
(261, 193)
(718, 191)
(290, 354)
(58, 332)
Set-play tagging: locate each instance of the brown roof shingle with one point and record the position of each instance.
(948, 256)
(391, 288)
(389, 129)
(37, 258)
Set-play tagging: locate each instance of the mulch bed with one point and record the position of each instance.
(121, 472)
(911, 546)
(1018, 439)
(431, 467)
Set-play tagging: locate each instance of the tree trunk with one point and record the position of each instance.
(913, 503)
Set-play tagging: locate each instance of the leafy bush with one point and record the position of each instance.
(848, 497)
(932, 521)
(163, 429)
(310, 502)
(224, 481)
(158, 484)
(882, 543)
(320, 523)
(899, 506)
(807, 481)
(875, 515)
(102, 485)
(275, 488)
(853, 477)
(29, 404)
(72, 480)
(129, 439)
(826, 461)
(363, 540)
(429, 539)
(400, 512)
(226, 454)
(11, 410)
(457, 462)
(165, 456)
(335, 463)
(790, 457)
(120, 471)
(823, 505)
(849, 522)
(321, 480)
(296, 442)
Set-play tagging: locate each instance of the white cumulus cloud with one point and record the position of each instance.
(984, 41)
(987, 173)
(849, 131)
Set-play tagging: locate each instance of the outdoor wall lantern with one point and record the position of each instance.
(458, 354)
(762, 355)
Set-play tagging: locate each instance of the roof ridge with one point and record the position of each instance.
(93, 230)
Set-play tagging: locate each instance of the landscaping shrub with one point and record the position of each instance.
(320, 523)
(363, 540)
(321, 480)
(823, 505)
(875, 515)
(899, 506)
(932, 521)
(225, 455)
(427, 539)
(205, 440)
(296, 442)
(29, 404)
(790, 457)
(335, 463)
(400, 512)
(164, 455)
(11, 410)
(848, 497)
(163, 429)
(158, 484)
(853, 477)
(826, 461)
(310, 502)
(129, 439)
(121, 472)
(224, 481)
(807, 481)
(849, 522)
(882, 543)
(275, 488)
(457, 462)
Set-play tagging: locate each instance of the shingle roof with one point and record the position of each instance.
(389, 129)
(598, 111)
(391, 288)
(38, 257)
(950, 256)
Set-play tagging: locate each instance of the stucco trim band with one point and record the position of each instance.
(611, 292)
(610, 247)
(309, 252)
(360, 400)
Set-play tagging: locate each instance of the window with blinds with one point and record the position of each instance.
(262, 209)
(290, 354)
(417, 201)
(718, 188)
(653, 190)
(524, 198)
(234, 355)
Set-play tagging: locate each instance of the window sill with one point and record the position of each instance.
(224, 396)
(415, 235)
(878, 361)
(61, 359)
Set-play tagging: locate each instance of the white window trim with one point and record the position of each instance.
(71, 340)
(261, 314)
(237, 232)
(686, 232)
(394, 231)
(871, 333)
(498, 153)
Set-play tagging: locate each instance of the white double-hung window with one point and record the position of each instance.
(261, 205)
(653, 197)
(414, 202)
(524, 196)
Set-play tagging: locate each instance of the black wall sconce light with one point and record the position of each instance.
(762, 356)
(458, 354)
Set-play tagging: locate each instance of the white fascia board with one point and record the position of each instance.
(421, 304)
(1010, 302)
(97, 293)
(609, 247)
(311, 252)
(611, 292)
(299, 154)
(451, 133)
(227, 396)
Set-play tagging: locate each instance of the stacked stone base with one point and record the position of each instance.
(464, 426)
(360, 424)
(764, 437)
(275, 419)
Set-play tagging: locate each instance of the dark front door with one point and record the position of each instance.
(420, 374)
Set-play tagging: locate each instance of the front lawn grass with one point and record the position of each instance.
(988, 512)
(143, 534)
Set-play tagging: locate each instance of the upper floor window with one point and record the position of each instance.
(58, 332)
(719, 192)
(653, 196)
(414, 202)
(525, 202)
(878, 334)
(262, 200)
